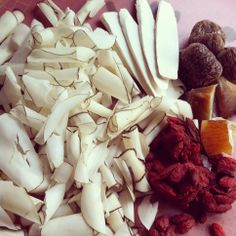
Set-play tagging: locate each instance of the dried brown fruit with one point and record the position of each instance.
(227, 58)
(208, 33)
(217, 230)
(198, 66)
(201, 101)
(183, 223)
(226, 98)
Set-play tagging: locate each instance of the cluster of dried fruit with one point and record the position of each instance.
(177, 172)
(207, 62)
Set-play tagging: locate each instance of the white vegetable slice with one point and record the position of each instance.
(90, 8)
(107, 82)
(72, 225)
(22, 205)
(69, 18)
(10, 233)
(20, 161)
(131, 33)
(127, 205)
(6, 52)
(49, 13)
(53, 199)
(147, 37)
(62, 174)
(147, 212)
(20, 33)
(167, 42)
(8, 22)
(5, 220)
(91, 205)
(111, 22)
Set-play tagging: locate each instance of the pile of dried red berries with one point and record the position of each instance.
(177, 174)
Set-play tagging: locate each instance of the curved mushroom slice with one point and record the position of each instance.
(147, 35)
(201, 101)
(217, 136)
(131, 33)
(226, 98)
(167, 42)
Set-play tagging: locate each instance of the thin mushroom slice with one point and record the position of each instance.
(147, 37)
(167, 43)
(130, 31)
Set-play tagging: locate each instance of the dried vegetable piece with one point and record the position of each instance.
(209, 34)
(202, 101)
(167, 46)
(199, 67)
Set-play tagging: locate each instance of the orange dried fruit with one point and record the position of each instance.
(201, 101)
(218, 136)
(226, 98)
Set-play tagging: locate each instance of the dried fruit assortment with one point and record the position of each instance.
(176, 174)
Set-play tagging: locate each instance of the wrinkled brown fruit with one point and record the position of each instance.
(226, 98)
(198, 66)
(201, 101)
(227, 58)
(208, 33)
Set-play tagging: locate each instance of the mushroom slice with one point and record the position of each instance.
(131, 33)
(91, 205)
(147, 35)
(217, 136)
(226, 98)
(201, 101)
(72, 225)
(167, 42)
(22, 205)
(19, 162)
(90, 8)
(147, 212)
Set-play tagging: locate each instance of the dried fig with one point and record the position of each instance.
(227, 58)
(208, 33)
(198, 66)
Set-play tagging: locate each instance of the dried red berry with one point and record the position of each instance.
(217, 230)
(227, 182)
(153, 232)
(162, 223)
(183, 223)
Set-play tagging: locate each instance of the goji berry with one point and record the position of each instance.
(216, 230)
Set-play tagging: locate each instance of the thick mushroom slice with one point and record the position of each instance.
(226, 98)
(167, 44)
(202, 100)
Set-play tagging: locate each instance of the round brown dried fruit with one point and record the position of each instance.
(198, 66)
(209, 34)
(227, 58)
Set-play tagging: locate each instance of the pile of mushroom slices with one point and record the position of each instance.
(75, 126)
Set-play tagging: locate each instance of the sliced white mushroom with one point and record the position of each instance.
(147, 212)
(167, 42)
(147, 37)
(72, 225)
